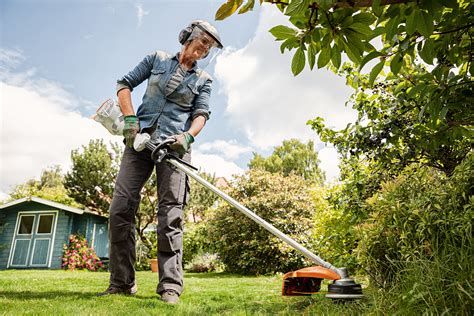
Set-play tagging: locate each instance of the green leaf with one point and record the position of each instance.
(336, 56)
(364, 18)
(411, 23)
(396, 63)
(449, 3)
(296, 7)
(312, 50)
(247, 7)
(227, 9)
(391, 28)
(324, 57)
(352, 53)
(424, 23)
(289, 44)
(361, 28)
(376, 8)
(355, 39)
(298, 62)
(327, 38)
(325, 4)
(283, 32)
(427, 53)
(375, 72)
(316, 35)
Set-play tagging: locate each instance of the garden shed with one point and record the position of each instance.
(34, 230)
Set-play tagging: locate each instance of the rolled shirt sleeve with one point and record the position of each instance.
(201, 102)
(139, 74)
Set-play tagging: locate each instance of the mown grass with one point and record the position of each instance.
(49, 292)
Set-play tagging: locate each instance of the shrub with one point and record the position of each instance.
(78, 255)
(418, 240)
(196, 240)
(246, 247)
(205, 262)
(333, 235)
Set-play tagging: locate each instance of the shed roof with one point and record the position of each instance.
(49, 203)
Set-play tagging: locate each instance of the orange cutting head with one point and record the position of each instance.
(306, 281)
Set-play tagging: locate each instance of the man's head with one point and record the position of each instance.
(201, 36)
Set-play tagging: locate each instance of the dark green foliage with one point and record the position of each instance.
(244, 246)
(394, 127)
(419, 237)
(200, 199)
(196, 240)
(91, 179)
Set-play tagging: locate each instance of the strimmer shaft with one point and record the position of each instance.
(193, 174)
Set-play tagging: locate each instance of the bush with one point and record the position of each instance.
(333, 235)
(246, 247)
(196, 240)
(418, 240)
(205, 262)
(78, 255)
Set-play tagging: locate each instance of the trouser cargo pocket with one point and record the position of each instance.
(170, 243)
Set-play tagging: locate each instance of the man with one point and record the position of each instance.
(176, 105)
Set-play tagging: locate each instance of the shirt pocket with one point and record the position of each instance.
(190, 92)
(157, 74)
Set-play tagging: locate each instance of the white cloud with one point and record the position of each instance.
(140, 13)
(10, 58)
(329, 163)
(267, 102)
(40, 126)
(231, 150)
(215, 164)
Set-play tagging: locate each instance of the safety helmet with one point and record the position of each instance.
(196, 28)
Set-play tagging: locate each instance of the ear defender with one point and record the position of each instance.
(186, 32)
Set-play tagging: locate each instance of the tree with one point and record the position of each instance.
(49, 187)
(429, 116)
(292, 157)
(91, 179)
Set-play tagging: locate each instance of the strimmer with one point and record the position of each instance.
(306, 281)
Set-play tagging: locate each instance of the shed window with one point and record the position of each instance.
(26, 224)
(45, 224)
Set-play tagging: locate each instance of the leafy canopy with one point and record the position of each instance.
(291, 157)
(91, 178)
(415, 103)
(49, 186)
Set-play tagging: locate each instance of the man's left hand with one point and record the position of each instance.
(182, 143)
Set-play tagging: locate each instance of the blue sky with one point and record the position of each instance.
(60, 59)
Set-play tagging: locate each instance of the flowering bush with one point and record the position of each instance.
(78, 255)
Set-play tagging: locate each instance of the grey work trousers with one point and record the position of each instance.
(173, 191)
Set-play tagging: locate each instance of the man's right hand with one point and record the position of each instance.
(130, 129)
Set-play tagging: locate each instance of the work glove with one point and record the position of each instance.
(130, 129)
(182, 142)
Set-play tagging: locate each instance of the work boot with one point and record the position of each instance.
(170, 296)
(117, 290)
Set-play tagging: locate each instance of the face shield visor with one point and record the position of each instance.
(206, 43)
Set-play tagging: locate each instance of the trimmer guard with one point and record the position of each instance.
(306, 281)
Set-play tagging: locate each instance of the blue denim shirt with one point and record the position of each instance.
(171, 114)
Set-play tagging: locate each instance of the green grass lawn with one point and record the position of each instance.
(57, 292)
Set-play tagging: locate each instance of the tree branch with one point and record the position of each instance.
(367, 3)
(455, 30)
(352, 4)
